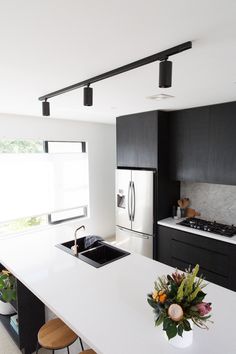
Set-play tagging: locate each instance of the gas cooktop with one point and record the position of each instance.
(210, 226)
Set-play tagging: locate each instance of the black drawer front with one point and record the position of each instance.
(217, 259)
(208, 275)
(206, 258)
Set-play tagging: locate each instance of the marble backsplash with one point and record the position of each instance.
(214, 201)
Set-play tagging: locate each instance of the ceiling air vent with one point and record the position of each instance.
(159, 97)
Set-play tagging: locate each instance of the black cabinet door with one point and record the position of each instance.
(216, 258)
(137, 140)
(203, 144)
(222, 144)
(189, 140)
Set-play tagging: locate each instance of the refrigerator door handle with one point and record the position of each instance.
(136, 234)
(133, 202)
(129, 201)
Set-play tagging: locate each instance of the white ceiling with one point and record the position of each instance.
(48, 44)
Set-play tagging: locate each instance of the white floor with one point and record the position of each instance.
(7, 345)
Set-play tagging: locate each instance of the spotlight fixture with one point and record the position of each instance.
(165, 73)
(46, 108)
(88, 96)
(164, 79)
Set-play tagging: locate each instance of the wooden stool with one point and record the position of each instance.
(88, 351)
(54, 335)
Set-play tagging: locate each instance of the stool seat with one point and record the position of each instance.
(88, 351)
(55, 334)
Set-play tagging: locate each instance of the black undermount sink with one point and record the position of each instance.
(102, 255)
(96, 254)
(81, 243)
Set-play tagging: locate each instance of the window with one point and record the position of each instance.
(72, 179)
(41, 182)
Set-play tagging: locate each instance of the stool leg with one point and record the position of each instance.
(82, 347)
(68, 350)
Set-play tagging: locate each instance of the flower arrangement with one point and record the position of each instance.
(7, 286)
(177, 299)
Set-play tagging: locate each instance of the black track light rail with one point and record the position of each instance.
(136, 64)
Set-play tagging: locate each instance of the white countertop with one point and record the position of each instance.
(170, 222)
(107, 306)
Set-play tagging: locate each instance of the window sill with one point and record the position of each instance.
(42, 228)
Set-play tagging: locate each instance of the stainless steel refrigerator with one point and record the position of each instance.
(134, 211)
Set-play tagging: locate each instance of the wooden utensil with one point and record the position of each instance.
(191, 213)
(185, 202)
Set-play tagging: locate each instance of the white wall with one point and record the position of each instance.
(101, 150)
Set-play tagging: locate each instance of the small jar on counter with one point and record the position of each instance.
(179, 213)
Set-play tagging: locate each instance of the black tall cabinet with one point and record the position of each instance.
(203, 144)
(137, 140)
(222, 144)
(189, 132)
(143, 143)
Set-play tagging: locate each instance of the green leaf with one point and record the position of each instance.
(8, 290)
(194, 294)
(152, 303)
(186, 325)
(173, 290)
(6, 295)
(171, 331)
(180, 293)
(159, 320)
(190, 280)
(167, 322)
(13, 296)
(170, 279)
(199, 298)
(180, 329)
(204, 318)
(2, 284)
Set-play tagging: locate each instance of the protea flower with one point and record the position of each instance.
(175, 312)
(178, 277)
(204, 308)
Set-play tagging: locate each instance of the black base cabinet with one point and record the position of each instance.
(31, 316)
(180, 249)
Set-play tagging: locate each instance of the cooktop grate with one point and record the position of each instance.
(210, 226)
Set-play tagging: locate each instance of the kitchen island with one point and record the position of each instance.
(107, 306)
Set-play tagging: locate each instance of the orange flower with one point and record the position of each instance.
(155, 295)
(163, 298)
(159, 296)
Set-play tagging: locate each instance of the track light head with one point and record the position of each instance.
(165, 73)
(46, 108)
(88, 96)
